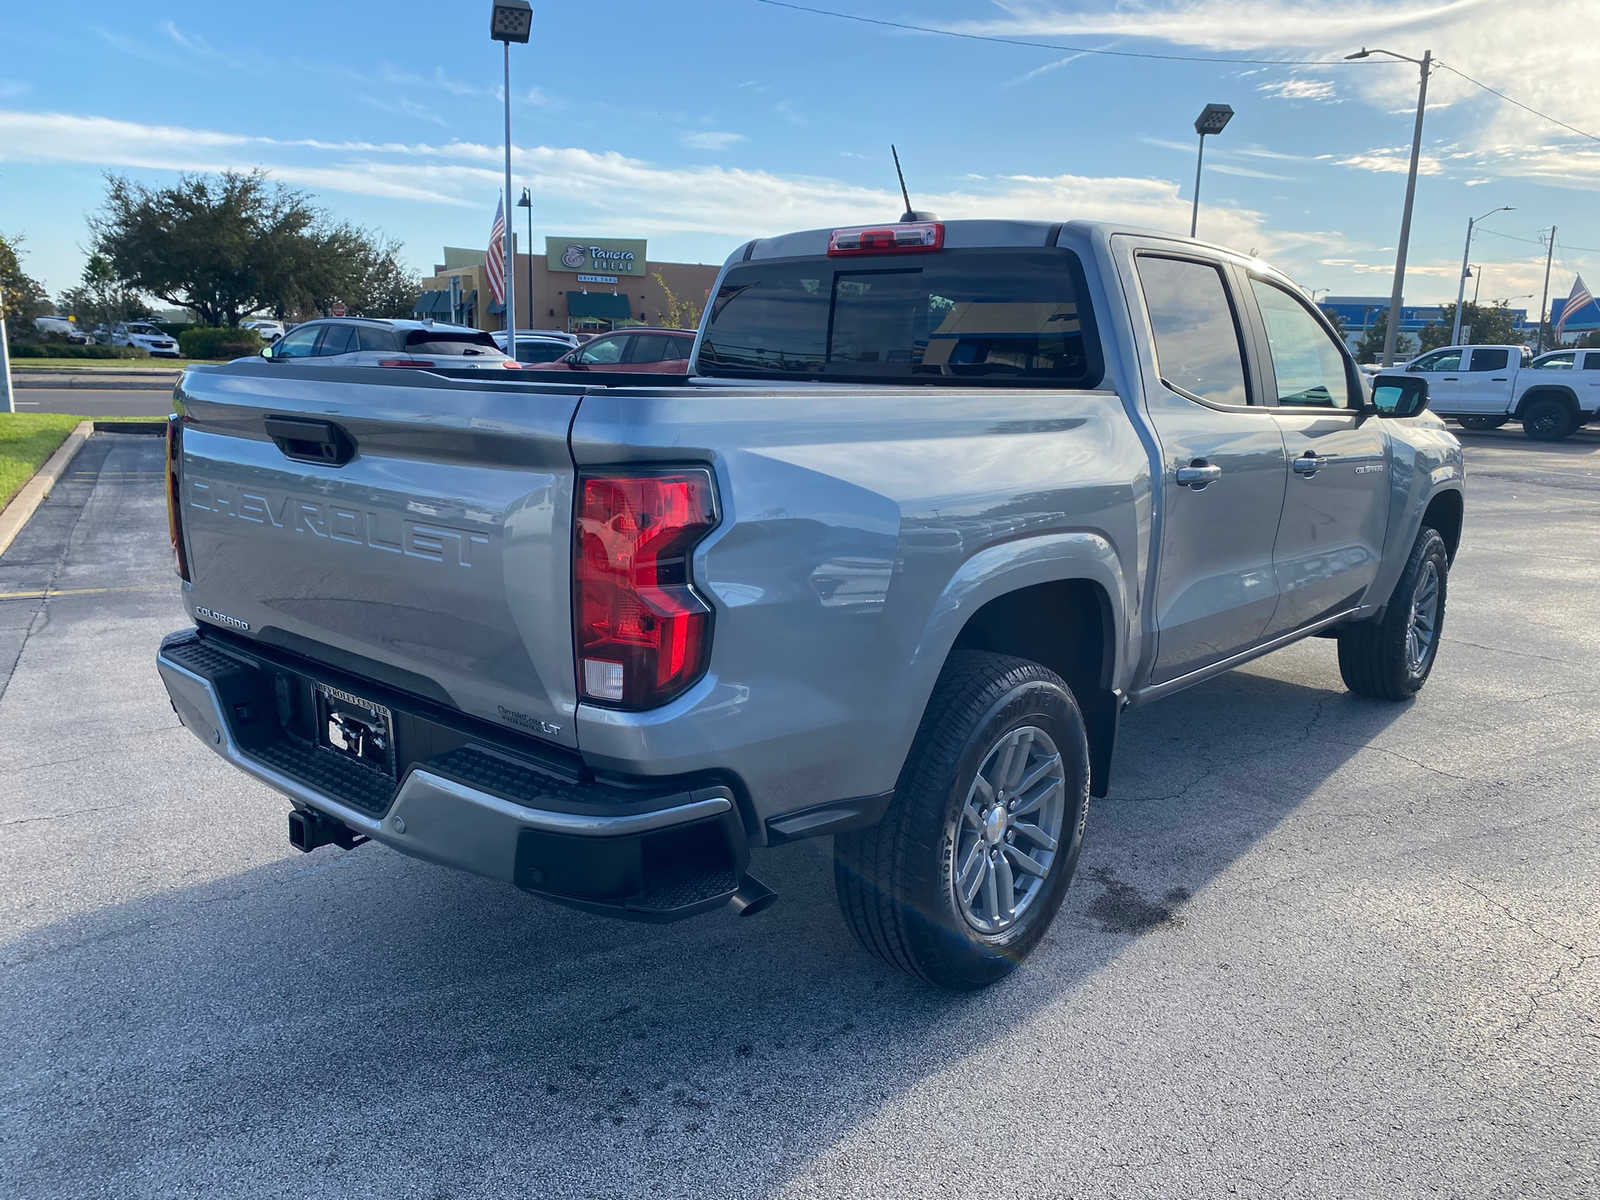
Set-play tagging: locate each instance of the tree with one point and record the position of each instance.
(101, 298)
(1337, 322)
(1481, 325)
(231, 245)
(1370, 348)
(22, 297)
(682, 312)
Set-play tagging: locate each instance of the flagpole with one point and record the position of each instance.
(1544, 297)
(511, 241)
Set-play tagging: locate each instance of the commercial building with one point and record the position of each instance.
(1360, 313)
(578, 283)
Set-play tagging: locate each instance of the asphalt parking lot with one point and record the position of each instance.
(1318, 946)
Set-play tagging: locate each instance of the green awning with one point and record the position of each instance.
(598, 304)
(424, 304)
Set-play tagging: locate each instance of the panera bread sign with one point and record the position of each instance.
(598, 256)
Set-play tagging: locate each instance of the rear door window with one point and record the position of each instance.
(1197, 337)
(1487, 359)
(336, 339)
(370, 337)
(677, 349)
(1008, 315)
(648, 348)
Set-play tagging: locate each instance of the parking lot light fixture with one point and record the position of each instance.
(510, 21)
(1466, 252)
(1213, 119)
(1425, 65)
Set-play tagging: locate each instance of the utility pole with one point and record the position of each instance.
(1544, 296)
(7, 401)
(1426, 66)
(1461, 288)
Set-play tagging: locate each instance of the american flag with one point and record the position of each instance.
(494, 265)
(1576, 303)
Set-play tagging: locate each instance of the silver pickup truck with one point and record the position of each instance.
(935, 504)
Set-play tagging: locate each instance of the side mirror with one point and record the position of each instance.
(1399, 395)
(266, 352)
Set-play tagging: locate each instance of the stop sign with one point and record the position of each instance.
(339, 310)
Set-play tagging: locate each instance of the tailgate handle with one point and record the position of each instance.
(311, 441)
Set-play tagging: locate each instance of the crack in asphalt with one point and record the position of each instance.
(1405, 758)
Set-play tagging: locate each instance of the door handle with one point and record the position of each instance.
(1309, 463)
(1498, 379)
(1198, 474)
(303, 440)
(1450, 379)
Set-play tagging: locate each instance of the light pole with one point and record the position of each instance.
(510, 21)
(7, 400)
(1461, 288)
(1425, 64)
(1213, 119)
(527, 203)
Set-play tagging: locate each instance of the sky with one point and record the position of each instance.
(703, 123)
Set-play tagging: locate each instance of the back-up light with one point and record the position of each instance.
(641, 633)
(174, 511)
(908, 238)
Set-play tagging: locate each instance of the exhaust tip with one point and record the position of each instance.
(752, 897)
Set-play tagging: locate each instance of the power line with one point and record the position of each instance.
(1006, 41)
(1511, 100)
(1511, 237)
(1200, 58)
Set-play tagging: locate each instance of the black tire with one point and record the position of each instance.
(1482, 422)
(1548, 419)
(1373, 658)
(896, 880)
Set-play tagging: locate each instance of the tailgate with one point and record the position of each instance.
(432, 552)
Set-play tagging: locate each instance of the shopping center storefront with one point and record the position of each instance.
(580, 284)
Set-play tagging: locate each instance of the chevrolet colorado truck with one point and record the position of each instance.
(935, 504)
(1483, 387)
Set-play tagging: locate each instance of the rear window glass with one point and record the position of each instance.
(1490, 360)
(991, 316)
(441, 341)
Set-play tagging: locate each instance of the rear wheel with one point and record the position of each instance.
(1548, 419)
(1482, 422)
(1390, 657)
(963, 875)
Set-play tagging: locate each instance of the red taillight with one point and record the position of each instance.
(910, 237)
(174, 510)
(405, 362)
(512, 364)
(641, 633)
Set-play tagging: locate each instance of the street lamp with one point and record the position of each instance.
(1425, 63)
(527, 203)
(510, 21)
(1213, 119)
(1461, 288)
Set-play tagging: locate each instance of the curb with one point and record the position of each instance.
(90, 383)
(155, 426)
(15, 515)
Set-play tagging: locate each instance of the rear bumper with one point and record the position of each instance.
(464, 799)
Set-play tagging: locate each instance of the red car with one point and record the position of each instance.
(655, 351)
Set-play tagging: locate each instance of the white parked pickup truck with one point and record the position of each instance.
(1483, 387)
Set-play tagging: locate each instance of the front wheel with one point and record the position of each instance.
(965, 872)
(1390, 657)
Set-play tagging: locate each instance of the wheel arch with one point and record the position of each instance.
(1059, 601)
(1548, 391)
(1445, 513)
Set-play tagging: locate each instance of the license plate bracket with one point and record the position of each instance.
(356, 728)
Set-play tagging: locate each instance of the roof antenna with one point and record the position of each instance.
(910, 214)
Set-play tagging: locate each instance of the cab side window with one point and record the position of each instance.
(1489, 359)
(1307, 363)
(1196, 336)
(1557, 362)
(1441, 360)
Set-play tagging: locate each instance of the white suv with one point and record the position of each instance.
(145, 337)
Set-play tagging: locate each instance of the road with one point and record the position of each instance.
(1318, 946)
(96, 402)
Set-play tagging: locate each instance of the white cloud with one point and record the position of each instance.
(1245, 172)
(1392, 160)
(711, 139)
(789, 113)
(1300, 89)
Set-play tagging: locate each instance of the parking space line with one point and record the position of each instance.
(51, 593)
